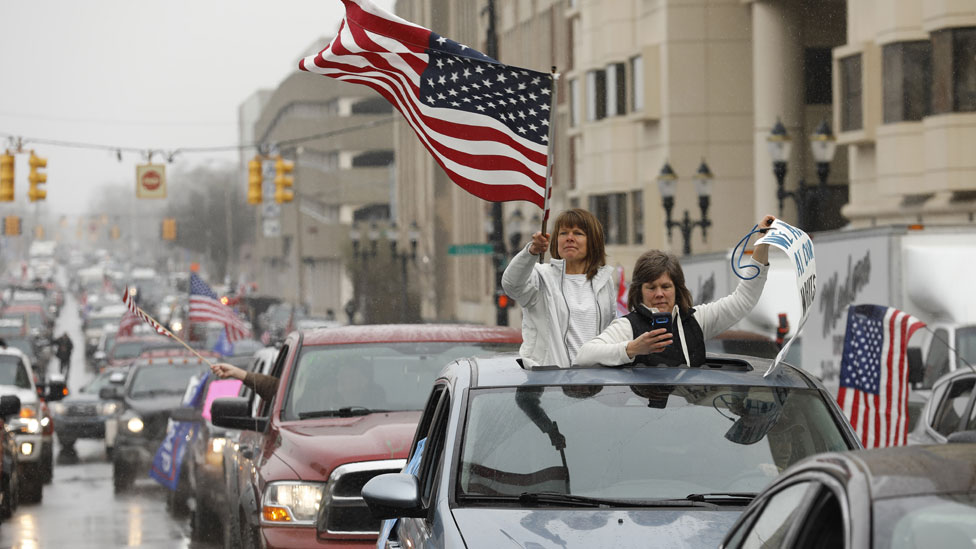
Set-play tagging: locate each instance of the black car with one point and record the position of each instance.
(901, 497)
(9, 471)
(83, 414)
(150, 392)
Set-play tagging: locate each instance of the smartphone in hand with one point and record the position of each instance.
(661, 320)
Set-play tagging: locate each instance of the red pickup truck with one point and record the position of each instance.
(346, 409)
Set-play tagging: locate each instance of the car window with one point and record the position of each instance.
(375, 376)
(951, 409)
(276, 370)
(662, 444)
(94, 386)
(937, 360)
(153, 381)
(14, 372)
(433, 449)
(824, 526)
(770, 528)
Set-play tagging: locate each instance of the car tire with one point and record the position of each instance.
(11, 496)
(31, 484)
(232, 530)
(176, 502)
(121, 477)
(249, 537)
(48, 458)
(203, 524)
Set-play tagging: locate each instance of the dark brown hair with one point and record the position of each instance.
(596, 253)
(648, 268)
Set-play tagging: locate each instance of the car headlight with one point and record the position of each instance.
(134, 425)
(59, 408)
(108, 408)
(28, 422)
(291, 502)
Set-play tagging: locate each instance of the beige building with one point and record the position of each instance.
(338, 137)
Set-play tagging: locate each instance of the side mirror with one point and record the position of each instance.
(393, 495)
(110, 393)
(235, 413)
(56, 390)
(9, 405)
(916, 368)
(185, 413)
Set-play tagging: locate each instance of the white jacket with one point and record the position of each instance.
(610, 347)
(537, 287)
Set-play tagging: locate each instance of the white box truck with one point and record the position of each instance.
(926, 271)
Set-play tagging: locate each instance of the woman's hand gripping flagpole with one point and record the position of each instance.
(157, 327)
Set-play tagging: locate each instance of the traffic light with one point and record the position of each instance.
(11, 225)
(283, 181)
(37, 178)
(254, 181)
(7, 177)
(114, 233)
(502, 301)
(169, 229)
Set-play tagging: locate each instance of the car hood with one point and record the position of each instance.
(81, 398)
(26, 396)
(676, 528)
(314, 447)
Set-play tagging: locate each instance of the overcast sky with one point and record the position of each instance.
(141, 73)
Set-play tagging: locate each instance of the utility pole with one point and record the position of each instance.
(497, 238)
(298, 238)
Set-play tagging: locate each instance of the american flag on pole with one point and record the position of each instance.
(486, 124)
(138, 313)
(874, 373)
(206, 307)
(622, 306)
(128, 323)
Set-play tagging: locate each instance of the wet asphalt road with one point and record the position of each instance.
(79, 509)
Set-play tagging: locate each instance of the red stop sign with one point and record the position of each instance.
(151, 180)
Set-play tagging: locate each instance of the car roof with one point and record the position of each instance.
(902, 471)
(504, 370)
(397, 333)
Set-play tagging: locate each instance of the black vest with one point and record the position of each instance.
(640, 322)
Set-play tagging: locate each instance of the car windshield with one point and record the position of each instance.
(966, 344)
(11, 326)
(925, 521)
(161, 380)
(666, 441)
(21, 344)
(100, 321)
(128, 349)
(378, 376)
(13, 372)
(103, 379)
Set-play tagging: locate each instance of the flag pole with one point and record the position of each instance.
(549, 156)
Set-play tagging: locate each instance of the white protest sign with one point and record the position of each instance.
(797, 246)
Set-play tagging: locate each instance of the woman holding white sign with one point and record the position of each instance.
(663, 327)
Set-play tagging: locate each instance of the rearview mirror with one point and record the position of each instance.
(235, 413)
(393, 495)
(9, 405)
(110, 393)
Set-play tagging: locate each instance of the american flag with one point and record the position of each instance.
(622, 305)
(138, 313)
(128, 323)
(874, 373)
(485, 123)
(206, 307)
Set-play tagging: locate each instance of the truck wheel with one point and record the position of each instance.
(176, 502)
(31, 484)
(48, 459)
(203, 524)
(232, 530)
(249, 537)
(11, 495)
(121, 477)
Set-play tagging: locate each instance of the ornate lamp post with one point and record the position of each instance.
(667, 182)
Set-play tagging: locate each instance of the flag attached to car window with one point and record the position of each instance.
(873, 389)
(486, 124)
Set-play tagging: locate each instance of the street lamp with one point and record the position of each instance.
(514, 227)
(779, 145)
(393, 236)
(667, 182)
(823, 145)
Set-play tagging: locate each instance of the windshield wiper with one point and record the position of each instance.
(727, 498)
(557, 498)
(347, 411)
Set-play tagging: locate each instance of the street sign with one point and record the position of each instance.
(272, 227)
(470, 249)
(151, 181)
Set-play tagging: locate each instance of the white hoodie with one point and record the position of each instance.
(537, 287)
(610, 347)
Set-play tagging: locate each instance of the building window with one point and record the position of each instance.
(907, 80)
(637, 207)
(817, 68)
(373, 105)
(851, 94)
(637, 83)
(573, 103)
(954, 70)
(372, 159)
(611, 210)
(616, 89)
(596, 95)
